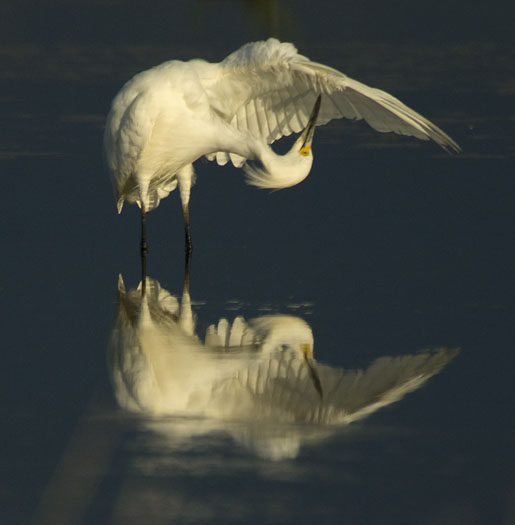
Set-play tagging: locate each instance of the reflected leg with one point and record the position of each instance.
(185, 320)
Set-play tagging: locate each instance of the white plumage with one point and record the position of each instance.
(165, 118)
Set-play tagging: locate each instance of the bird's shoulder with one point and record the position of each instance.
(267, 53)
(149, 80)
(274, 75)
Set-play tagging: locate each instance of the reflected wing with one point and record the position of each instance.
(270, 332)
(281, 386)
(354, 394)
(268, 89)
(227, 335)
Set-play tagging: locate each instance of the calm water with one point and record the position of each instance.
(390, 248)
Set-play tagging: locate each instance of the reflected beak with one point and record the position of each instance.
(306, 136)
(307, 352)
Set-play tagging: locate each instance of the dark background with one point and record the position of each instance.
(393, 244)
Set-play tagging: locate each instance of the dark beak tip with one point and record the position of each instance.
(309, 130)
(316, 108)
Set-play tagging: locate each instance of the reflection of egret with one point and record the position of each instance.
(170, 371)
(167, 117)
(270, 333)
(252, 372)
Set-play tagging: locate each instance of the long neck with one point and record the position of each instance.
(276, 171)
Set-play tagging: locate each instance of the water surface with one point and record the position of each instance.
(390, 248)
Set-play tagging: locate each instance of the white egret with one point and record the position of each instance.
(167, 117)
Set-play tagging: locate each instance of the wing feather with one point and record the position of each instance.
(285, 113)
(252, 118)
(222, 158)
(272, 118)
(261, 116)
(293, 102)
(268, 90)
(237, 160)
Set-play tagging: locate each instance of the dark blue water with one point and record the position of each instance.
(391, 246)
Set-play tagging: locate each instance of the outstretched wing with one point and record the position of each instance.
(268, 89)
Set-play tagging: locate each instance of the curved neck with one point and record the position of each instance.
(279, 171)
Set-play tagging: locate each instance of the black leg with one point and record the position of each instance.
(187, 265)
(188, 249)
(143, 250)
(187, 232)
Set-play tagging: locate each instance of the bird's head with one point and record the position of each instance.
(283, 171)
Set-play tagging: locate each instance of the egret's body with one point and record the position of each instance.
(165, 118)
